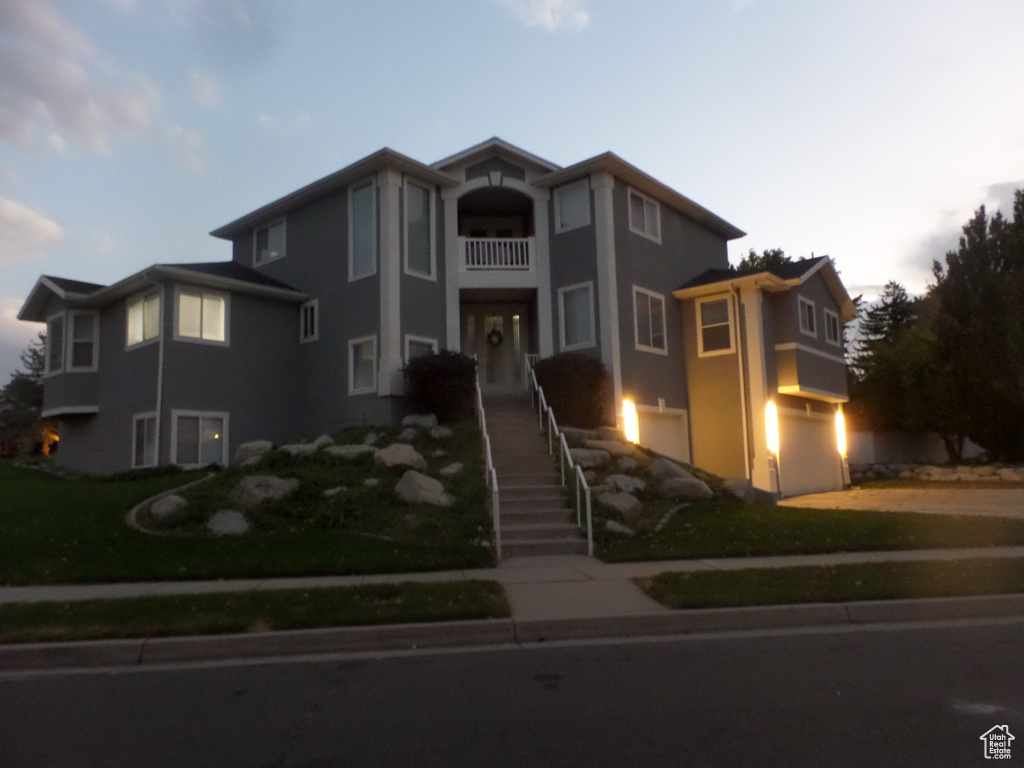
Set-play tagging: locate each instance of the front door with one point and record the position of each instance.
(496, 334)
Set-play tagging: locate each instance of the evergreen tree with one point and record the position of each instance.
(770, 259)
(21, 399)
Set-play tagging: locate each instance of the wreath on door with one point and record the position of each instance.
(494, 338)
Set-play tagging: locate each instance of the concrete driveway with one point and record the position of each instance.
(1002, 502)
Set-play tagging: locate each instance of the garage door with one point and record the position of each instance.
(809, 461)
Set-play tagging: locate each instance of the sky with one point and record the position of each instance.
(867, 130)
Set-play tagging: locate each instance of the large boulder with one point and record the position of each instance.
(575, 433)
(1012, 475)
(613, 447)
(417, 488)
(254, 449)
(685, 489)
(227, 522)
(627, 505)
(254, 490)
(350, 451)
(441, 433)
(323, 441)
(452, 469)
(609, 433)
(625, 483)
(167, 508)
(664, 468)
(300, 449)
(426, 421)
(614, 526)
(407, 434)
(588, 458)
(400, 457)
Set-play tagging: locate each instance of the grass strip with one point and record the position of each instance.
(836, 583)
(255, 611)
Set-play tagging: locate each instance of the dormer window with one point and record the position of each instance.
(268, 243)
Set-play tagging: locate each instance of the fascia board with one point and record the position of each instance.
(494, 145)
(228, 283)
(764, 280)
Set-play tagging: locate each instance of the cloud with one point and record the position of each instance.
(203, 89)
(54, 82)
(551, 15)
(187, 147)
(23, 231)
(238, 32)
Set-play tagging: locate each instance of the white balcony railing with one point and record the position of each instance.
(496, 253)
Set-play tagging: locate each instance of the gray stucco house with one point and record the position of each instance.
(331, 288)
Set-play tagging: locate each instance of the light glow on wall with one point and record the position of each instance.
(841, 433)
(771, 420)
(631, 424)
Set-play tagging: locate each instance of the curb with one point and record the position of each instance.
(144, 652)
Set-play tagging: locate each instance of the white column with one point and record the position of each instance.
(602, 184)
(389, 378)
(453, 264)
(761, 474)
(542, 257)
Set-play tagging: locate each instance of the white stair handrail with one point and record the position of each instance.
(490, 473)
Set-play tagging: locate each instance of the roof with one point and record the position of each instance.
(499, 147)
(74, 286)
(231, 270)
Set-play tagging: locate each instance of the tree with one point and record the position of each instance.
(770, 259)
(21, 399)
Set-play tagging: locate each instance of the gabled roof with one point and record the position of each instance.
(231, 270)
(496, 147)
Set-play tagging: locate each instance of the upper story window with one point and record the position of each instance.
(833, 334)
(143, 318)
(202, 316)
(644, 215)
(55, 344)
(309, 321)
(806, 309)
(715, 335)
(649, 320)
(572, 206)
(83, 340)
(268, 243)
(419, 230)
(576, 312)
(362, 230)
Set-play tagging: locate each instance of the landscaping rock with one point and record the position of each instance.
(626, 505)
(371, 438)
(300, 449)
(663, 468)
(400, 457)
(408, 434)
(625, 483)
(333, 491)
(984, 471)
(254, 490)
(589, 458)
(255, 449)
(350, 451)
(1012, 475)
(616, 527)
(426, 421)
(323, 441)
(627, 464)
(441, 433)
(741, 488)
(452, 469)
(609, 433)
(227, 522)
(613, 447)
(574, 433)
(371, 482)
(164, 510)
(417, 488)
(688, 489)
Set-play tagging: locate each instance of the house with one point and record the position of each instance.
(492, 251)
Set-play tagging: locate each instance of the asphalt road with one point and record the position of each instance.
(897, 696)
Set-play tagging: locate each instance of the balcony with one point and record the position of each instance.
(496, 254)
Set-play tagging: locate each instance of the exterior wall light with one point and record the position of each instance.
(841, 433)
(771, 418)
(630, 422)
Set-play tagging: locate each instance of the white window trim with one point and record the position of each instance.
(834, 317)
(69, 323)
(559, 192)
(636, 321)
(352, 343)
(175, 414)
(47, 370)
(315, 335)
(284, 248)
(800, 303)
(432, 234)
(141, 297)
(589, 285)
(156, 439)
(372, 183)
(640, 230)
(178, 290)
(700, 327)
(409, 338)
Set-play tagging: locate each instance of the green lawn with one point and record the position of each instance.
(836, 583)
(258, 611)
(720, 528)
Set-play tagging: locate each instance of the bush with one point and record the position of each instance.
(575, 386)
(443, 384)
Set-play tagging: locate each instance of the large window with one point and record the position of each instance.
(418, 346)
(419, 240)
(83, 340)
(644, 215)
(576, 312)
(714, 322)
(362, 227)
(199, 438)
(144, 441)
(309, 321)
(202, 316)
(806, 309)
(649, 319)
(362, 365)
(572, 206)
(268, 243)
(55, 344)
(143, 318)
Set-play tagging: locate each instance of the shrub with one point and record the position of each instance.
(575, 386)
(443, 384)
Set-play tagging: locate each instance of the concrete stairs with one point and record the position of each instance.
(535, 519)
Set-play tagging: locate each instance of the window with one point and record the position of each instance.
(199, 438)
(572, 206)
(55, 344)
(362, 365)
(144, 441)
(714, 321)
(832, 333)
(84, 340)
(202, 316)
(649, 320)
(644, 215)
(143, 318)
(268, 243)
(576, 312)
(419, 240)
(362, 228)
(418, 346)
(806, 309)
(309, 319)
